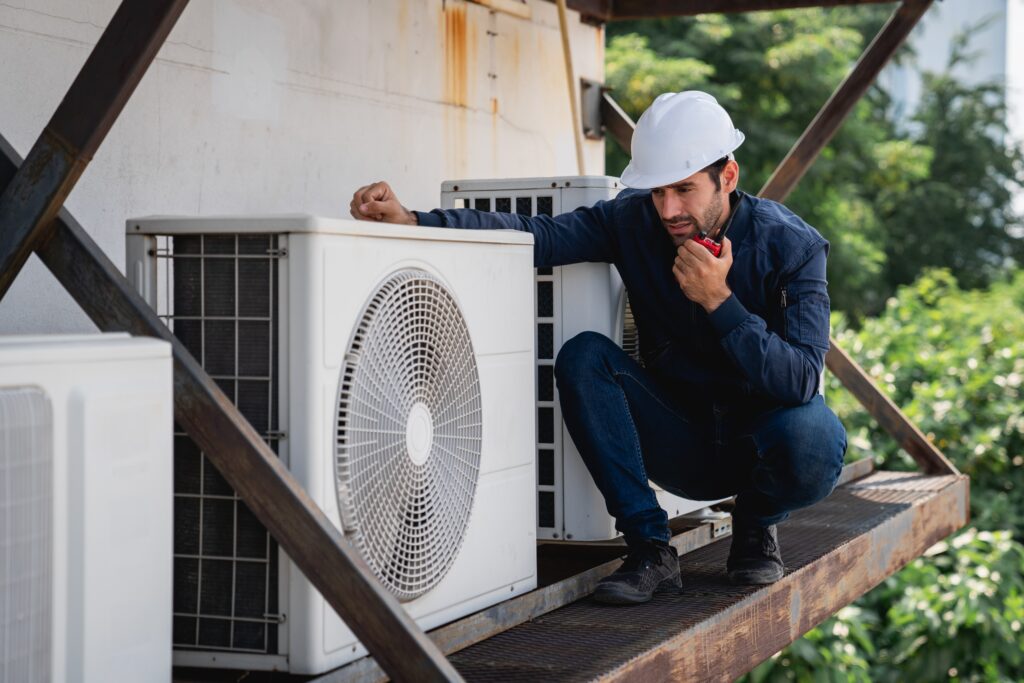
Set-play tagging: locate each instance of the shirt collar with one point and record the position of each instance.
(739, 216)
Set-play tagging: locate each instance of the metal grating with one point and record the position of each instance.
(26, 535)
(219, 295)
(409, 433)
(585, 640)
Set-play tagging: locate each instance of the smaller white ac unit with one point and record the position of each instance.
(569, 300)
(85, 527)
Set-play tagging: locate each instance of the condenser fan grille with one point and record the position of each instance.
(409, 432)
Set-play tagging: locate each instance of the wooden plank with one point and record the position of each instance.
(312, 542)
(831, 116)
(888, 415)
(647, 9)
(748, 632)
(109, 76)
(501, 617)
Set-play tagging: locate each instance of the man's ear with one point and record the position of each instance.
(730, 175)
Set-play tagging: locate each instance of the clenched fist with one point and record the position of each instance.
(377, 202)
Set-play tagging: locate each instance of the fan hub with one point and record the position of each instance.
(419, 433)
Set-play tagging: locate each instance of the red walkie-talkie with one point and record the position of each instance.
(711, 245)
(702, 239)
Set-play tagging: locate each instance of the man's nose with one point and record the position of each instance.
(671, 206)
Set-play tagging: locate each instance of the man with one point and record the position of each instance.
(726, 401)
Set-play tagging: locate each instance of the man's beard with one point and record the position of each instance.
(707, 223)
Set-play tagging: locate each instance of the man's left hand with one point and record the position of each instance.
(701, 276)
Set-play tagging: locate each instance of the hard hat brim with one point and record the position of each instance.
(634, 178)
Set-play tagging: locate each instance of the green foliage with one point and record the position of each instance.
(955, 614)
(959, 609)
(838, 651)
(953, 360)
(893, 199)
(958, 215)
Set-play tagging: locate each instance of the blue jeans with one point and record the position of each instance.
(629, 429)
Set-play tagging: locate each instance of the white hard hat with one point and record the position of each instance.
(678, 135)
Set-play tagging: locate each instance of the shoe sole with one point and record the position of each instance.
(755, 578)
(616, 595)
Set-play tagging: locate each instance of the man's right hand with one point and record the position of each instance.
(377, 202)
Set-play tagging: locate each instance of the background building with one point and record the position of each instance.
(997, 47)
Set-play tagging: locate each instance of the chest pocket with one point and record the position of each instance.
(805, 314)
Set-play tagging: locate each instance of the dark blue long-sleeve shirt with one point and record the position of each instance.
(765, 345)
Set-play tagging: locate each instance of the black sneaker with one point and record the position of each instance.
(754, 556)
(650, 567)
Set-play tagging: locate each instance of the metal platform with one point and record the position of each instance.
(834, 552)
(869, 528)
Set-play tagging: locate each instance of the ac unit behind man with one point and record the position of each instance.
(569, 300)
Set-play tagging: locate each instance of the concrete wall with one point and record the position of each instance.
(273, 106)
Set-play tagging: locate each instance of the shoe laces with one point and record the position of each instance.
(646, 552)
(761, 537)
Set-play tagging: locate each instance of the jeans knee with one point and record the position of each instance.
(809, 446)
(583, 352)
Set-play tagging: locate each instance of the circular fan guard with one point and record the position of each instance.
(408, 433)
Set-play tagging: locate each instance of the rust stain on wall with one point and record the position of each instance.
(456, 54)
(458, 36)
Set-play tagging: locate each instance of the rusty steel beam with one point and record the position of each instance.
(745, 634)
(592, 10)
(831, 116)
(617, 122)
(618, 10)
(82, 119)
(649, 9)
(888, 415)
(238, 452)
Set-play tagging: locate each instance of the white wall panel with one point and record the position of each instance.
(264, 106)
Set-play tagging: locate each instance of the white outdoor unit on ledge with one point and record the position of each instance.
(570, 300)
(85, 526)
(390, 367)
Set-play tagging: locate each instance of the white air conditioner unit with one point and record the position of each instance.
(570, 300)
(85, 526)
(390, 367)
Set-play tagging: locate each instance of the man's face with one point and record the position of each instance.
(690, 206)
